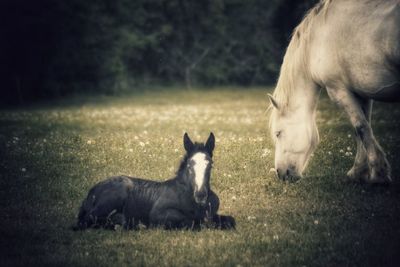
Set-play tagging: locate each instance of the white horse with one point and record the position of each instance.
(351, 48)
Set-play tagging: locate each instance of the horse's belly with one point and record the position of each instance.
(387, 93)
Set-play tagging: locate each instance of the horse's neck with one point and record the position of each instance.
(296, 89)
(305, 97)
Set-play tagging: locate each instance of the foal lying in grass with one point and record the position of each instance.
(185, 201)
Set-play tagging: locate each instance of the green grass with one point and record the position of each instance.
(52, 154)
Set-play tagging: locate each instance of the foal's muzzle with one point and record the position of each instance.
(201, 197)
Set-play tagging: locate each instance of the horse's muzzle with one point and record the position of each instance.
(201, 197)
(289, 175)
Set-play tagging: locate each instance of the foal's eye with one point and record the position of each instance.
(277, 134)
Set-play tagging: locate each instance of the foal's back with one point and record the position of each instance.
(110, 196)
(356, 44)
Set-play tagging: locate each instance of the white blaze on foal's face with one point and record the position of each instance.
(200, 167)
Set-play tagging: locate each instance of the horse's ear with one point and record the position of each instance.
(187, 143)
(273, 101)
(210, 144)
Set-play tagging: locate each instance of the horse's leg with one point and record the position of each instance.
(379, 168)
(213, 219)
(224, 222)
(212, 205)
(211, 210)
(171, 219)
(131, 223)
(360, 167)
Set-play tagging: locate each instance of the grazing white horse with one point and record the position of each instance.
(350, 48)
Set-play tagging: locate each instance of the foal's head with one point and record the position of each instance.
(197, 169)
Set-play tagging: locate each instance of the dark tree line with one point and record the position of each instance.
(51, 48)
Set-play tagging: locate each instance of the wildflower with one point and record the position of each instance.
(23, 169)
(142, 144)
(316, 222)
(265, 152)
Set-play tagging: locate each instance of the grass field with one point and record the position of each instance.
(51, 154)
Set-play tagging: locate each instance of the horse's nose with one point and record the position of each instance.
(283, 174)
(288, 174)
(200, 197)
(201, 194)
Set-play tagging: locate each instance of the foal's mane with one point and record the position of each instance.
(294, 61)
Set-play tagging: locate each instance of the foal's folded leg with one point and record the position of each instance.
(172, 219)
(224, 222)
(212, 206)
(213, 220)
(131, 223)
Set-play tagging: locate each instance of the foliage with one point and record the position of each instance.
(52, 155)
(54, 48)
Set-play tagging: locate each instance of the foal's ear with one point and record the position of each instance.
(273, 101)
(187, 143)
(210, 144)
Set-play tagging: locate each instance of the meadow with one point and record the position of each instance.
(52, 153)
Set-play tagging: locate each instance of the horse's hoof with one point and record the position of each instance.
(380, 173)
(357, 175)
(384, 179)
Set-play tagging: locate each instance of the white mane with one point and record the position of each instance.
(296, 56)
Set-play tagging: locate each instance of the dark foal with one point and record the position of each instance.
(185, 201)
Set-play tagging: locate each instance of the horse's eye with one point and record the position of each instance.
(278, 133)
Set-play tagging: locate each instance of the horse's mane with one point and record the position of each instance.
(293, 60)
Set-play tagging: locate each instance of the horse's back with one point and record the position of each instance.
(356, 44)
(104, 199)
(112, 189)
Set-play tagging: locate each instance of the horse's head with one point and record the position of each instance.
(198, 166)
(295, 135)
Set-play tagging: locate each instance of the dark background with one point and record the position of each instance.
(53, 48)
